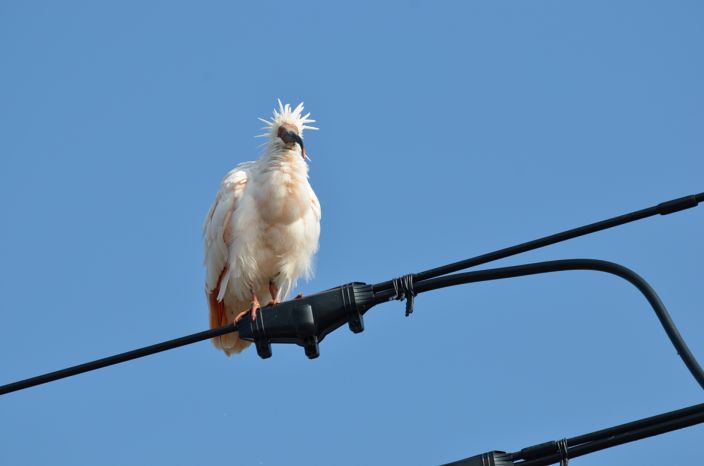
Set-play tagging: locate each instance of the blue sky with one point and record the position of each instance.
(446, 130)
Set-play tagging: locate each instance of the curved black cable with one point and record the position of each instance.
(664, 208)
(563, 265)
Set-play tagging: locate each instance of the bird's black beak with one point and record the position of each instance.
(289, 136)
(299, 141)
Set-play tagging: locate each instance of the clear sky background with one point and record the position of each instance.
(446, 130)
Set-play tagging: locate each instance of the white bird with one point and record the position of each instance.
(263, 228)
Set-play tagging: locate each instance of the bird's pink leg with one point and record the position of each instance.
(273, 291)
(253, 309)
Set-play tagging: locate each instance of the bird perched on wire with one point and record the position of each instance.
(263, 228)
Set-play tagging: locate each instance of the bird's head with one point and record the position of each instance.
(285, 128)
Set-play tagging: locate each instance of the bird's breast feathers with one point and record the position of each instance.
(276, 226)
(278, 197)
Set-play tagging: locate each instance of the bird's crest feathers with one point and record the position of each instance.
(285, 114)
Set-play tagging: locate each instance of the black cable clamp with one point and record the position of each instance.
(306, 321)
(564, 455)
(403, 287)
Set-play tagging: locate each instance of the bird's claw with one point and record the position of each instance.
(299, 296)
(253, 309)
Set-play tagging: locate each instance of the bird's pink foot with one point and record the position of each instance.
(253, 309)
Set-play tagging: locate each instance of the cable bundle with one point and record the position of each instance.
(308, 320)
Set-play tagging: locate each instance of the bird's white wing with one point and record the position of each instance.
(218, 239)
(313, 227)
(314, 203)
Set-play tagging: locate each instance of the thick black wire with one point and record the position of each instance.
(597, 438)
(548, 452)
(664, 208)
(563, 265)
(634, 435)
(637, 425)
(671, 421)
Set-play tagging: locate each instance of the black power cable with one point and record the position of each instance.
(563, 265)
(679, 422)
(665, 418)
(547, 453)
(664, 208)
(307, 321)
(116, 359)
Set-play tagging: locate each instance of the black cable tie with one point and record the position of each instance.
(562, 449)
(403, 287)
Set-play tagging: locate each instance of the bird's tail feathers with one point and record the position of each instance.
(230, 342)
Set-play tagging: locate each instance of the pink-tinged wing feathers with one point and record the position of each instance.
(218, 238)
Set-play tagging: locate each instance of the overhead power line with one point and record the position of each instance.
(664, 208)
(559, 451)
(307, 321)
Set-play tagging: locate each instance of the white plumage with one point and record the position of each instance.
(263, 228)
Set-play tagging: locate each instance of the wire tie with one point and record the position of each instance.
(403, 287)
(562, 448)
